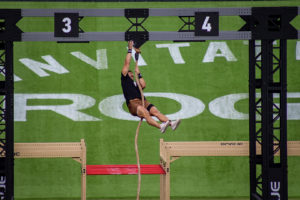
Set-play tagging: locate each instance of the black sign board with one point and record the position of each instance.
(207, 24)
(66, 25)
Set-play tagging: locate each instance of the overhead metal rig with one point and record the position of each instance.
(267, 73)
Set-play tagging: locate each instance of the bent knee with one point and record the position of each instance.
(154, 111)
(142, 111)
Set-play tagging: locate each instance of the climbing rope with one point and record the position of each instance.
(138, 159)
(137, 131)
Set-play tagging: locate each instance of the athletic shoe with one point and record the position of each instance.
(164, 126)
(175, 124)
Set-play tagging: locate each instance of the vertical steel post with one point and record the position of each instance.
(9, 119)
(268, 175)
(252, 118)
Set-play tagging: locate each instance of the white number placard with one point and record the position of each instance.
(206, 24)
(66, 25)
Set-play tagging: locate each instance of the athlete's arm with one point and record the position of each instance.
(140, 78)
(127, 59)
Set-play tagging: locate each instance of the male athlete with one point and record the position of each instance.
(134, 100)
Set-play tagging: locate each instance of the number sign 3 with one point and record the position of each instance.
(66, 25)
(207, 24)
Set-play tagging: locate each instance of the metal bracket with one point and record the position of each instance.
(189, 24)
(8, 21)
(137, 32)
(80, 29)
(271, 23)
(137, 13)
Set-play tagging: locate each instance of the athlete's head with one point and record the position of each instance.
(130, 74)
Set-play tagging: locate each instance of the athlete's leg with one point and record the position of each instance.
(155, 112)
(142, 112)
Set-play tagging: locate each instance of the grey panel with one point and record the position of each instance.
(82, 12)
(182, 36)
(191, 11)
(88, 36)
(152, 12)
(120, 36)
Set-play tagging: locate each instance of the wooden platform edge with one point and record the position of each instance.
(74, 150)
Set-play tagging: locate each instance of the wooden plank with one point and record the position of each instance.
(219, 148)
(47, 154)
(170, 151)
(48, 145)
(208, 143)
(75, 150)
(48, 150)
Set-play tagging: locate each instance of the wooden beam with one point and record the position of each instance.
(171, 151)
(218, 148)
(74, 150)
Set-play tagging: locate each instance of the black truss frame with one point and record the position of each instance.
(9, 33)
(268, 119)
(6, 118)
(267, 78)
(137, 31)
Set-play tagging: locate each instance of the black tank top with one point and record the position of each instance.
(130, 88)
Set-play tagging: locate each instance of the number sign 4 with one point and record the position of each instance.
(207, 24)
(66, 25)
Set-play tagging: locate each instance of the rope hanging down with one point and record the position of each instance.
(138, 128)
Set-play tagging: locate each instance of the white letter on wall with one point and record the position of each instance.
(212, 52)
(141, 61)
(190, 106)
(70, 111)
(100, 63)
(174, 51)
(37, 67)
(223, 107)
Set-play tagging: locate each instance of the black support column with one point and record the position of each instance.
(6, 121)
(8, 34)
(268, 100)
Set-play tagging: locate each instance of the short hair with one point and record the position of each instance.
(129, 71)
